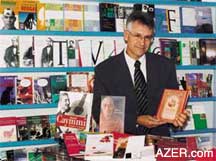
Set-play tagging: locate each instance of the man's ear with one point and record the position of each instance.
(125, 36)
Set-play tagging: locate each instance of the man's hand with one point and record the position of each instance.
(181, 119)
(149, 121)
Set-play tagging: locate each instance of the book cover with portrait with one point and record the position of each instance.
(42, 90)
(112, 113)
(22, 128)
(8, 129)
(74, 112)
(24, 90)
(34, 124)
(7, 90)
(172, 103)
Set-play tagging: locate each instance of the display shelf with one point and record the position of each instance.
(40, 69)
(28, 143)
(27, 106)
(191, 132)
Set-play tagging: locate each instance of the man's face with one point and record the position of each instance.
(14, 42)
(9, 21)
(139, 38)
(65, 103)
(107, 106)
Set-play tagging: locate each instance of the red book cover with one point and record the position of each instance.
(72, 144)
(172, 103)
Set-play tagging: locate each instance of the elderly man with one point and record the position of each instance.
(9, 19)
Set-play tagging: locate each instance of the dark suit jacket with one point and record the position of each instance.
(47, 57)
(112, 77)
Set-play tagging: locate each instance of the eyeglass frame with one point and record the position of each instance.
(140, 37)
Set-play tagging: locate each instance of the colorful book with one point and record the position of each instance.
(199, 116)
(72, 53)
(8, 129)
(22, 128)
(24, 93)
(112, 114)
(58, 83)
(170, 49)
(74, 112)
(167, 19)
(91, 19)
(200, 20)
(73, 17)
(42, 91)
(107, 17)
(207, 51)
(34, 127)
(27, 15)
(7, 90)
(172, 103)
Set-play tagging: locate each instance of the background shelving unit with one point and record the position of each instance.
(6, 109)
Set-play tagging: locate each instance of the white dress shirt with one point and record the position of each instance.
(130, 63)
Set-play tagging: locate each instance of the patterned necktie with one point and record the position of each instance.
(140, 89)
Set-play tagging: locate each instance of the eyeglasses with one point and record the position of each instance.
(140, 37)
(9, 17)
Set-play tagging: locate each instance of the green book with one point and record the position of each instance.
(200, 121)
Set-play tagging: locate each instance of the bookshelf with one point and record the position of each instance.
(53, 106)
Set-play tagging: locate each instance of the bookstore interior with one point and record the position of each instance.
(50, 50)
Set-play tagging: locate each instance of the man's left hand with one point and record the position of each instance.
(181, 119)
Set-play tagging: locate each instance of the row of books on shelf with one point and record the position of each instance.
(56, 51)
(199, 84)
(64, 51)
(75, 16)
(94, 146)
(43, 88)
(27, 128)
(186, 51)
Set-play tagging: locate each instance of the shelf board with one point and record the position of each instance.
(203, 99)
(195, 67)
(52, 69)
(27, 143)
(189, 132)
(28, 106)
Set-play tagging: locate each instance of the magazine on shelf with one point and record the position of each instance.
(91, 17)
(199, 117)
(72, 53)
(147, 8)
(22, 128)
(34, 124)
(24, 93)
(7, 90)
(107, 16)
(9, 8)
(167, 19)
(207, 51)
(172, 103)
(20, 154)
(42, 90)
(27, 15)
(73, 17)
(74, 112)
(81, 81)
(200, 21)
(170, 49)
(58, 83)
(10, 49)
(112, 112)
(8, 129)
(27, 51)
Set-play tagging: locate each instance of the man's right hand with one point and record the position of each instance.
(149, 121)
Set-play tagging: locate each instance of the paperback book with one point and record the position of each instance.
(8, 129)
